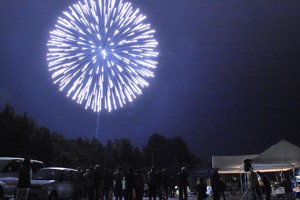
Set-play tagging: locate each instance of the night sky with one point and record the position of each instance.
(227, 80)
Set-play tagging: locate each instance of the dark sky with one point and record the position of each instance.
(227, 81)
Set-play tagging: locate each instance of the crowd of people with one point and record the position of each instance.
(106, 184)
(118, 184)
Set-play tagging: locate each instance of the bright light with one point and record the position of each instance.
(102, 53)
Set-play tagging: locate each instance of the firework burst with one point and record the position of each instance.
(102, 53)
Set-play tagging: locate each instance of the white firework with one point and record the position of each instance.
(102, 53)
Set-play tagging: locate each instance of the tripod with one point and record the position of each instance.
(245, 193)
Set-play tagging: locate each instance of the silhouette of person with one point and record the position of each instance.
(107, 178)
(85, 183)
(183, 184)
(222, 186)
(214, 178)
(201, 188)
(90, 183)
(288, 188)
(159, 187)
(24, 182)
(151, 175)
(172, 184)
(129, 181)
(118, 178)
(165, 179)
(81, 172)
(139, 184)
(97, 176)
(254, 185)
(267, 184)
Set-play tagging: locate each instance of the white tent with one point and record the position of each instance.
(281, 156)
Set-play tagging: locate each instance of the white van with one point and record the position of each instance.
(9, 173)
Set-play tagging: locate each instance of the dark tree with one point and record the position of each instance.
(22, 137)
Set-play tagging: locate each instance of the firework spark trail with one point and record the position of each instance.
(97, 125)
(101, 53)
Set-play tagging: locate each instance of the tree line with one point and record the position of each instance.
(20, 136)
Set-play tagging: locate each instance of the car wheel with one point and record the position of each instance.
(52, 196)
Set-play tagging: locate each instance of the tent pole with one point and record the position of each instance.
(241, 180)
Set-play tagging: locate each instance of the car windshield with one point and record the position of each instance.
(47, 174)
(3, 163)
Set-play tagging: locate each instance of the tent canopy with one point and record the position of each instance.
(281, 153)
(230, 164)
(281, 156)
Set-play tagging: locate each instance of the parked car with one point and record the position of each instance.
(9, 173)
(54, 183)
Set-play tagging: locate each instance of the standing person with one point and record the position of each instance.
(90, 183)
(159, 188)
(24, 182)
(165, 183)
(97, 178)
(107, 184)
(288, 188)
(222, 188)
(267, 184)
(139, 184)
(81, 172)
(172, 184)
(201, 188)
(84, 183)
(183, 184)
(118, 178)
(214, 179)
(129, 182)
(151, 175)
(254, 185)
